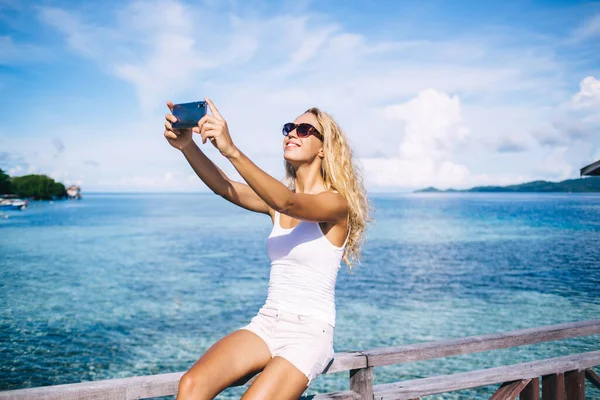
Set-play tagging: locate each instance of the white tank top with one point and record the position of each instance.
(304, 268)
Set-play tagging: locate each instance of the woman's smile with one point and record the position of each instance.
(291, 144)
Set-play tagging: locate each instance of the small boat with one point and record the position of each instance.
(74, 192)
(13, 204)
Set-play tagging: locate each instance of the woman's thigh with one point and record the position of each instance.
(230, 359)
(280, 380)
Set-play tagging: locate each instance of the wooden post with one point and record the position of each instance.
(592, 377)
(575, 385)
(510, 390)
(361, 382)
(553, 387)
(531, 391)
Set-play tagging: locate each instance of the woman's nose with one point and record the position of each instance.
(293, 133)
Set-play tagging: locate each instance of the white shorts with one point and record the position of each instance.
(304, 341)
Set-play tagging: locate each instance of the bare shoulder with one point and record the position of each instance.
(342, 221)
(339, 195)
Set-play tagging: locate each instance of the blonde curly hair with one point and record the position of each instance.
(340, 173)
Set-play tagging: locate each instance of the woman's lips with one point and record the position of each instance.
(290, 145)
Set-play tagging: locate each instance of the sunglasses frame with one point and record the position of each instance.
(311, 130)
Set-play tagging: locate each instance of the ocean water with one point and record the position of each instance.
(121, 285)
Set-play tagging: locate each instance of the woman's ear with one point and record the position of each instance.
(321, 153)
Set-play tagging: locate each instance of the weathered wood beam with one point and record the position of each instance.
(361, 381)
(593, 377)
(446, 383)
(473, 344)
(531, 391)
(346, 395)
(510, 390)
(553, 386)
(109, 389)
(575, 385)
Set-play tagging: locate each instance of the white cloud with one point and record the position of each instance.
(16, 171)
(588, 95)
(12, 53)
(433, 130)
(576, 120)
(441, 110)
(555, 164)
(590, 28)
(512, 144)
(154, 46)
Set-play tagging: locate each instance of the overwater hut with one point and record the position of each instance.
(591, 170)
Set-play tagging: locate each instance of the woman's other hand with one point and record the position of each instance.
(178, 138)
(214, 127)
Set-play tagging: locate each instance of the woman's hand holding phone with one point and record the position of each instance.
(214, 127)
(178, 138)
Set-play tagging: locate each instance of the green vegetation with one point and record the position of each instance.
(38, 187)
(591, 184)
(5, 183)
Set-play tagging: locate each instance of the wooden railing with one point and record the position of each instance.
(561, 377)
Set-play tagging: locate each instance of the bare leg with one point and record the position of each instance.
(228, 360)
(280, 380)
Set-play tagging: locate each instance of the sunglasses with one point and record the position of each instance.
(303, 130)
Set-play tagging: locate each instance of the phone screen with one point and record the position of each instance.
(188, 114)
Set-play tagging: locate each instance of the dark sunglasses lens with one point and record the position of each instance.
(303, 130)
(287, 128)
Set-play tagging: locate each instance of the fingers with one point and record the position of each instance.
(206, 118)
(202, 122)
(170, 135)
(170, 105)
(204, 131)
(169, 127)
(170, 117)
(213, 109)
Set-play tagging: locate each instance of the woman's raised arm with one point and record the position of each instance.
(236, 192)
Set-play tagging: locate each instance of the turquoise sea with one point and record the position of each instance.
(120, 285)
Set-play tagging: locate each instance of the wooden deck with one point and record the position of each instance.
(562, 378)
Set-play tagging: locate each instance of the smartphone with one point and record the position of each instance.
(188, 114)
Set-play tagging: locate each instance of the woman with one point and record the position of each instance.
(318, 220)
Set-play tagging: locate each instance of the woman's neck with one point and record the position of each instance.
(308, 180)
(310, 187)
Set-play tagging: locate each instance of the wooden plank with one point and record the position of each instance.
(149, 385)
(347, 395)
(345, 361)
(553, 386)
(510, 390)
(446, 383)
(109, 389)
(531, 391)
(361, 382)
(452, 347)
(575, 385)
(592, 377)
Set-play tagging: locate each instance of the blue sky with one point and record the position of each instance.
(430, 93)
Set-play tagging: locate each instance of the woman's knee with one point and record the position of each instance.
(192, 386)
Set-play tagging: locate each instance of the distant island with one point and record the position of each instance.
(36, 187)
(581, 185)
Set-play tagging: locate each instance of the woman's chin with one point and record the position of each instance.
(289, 158)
